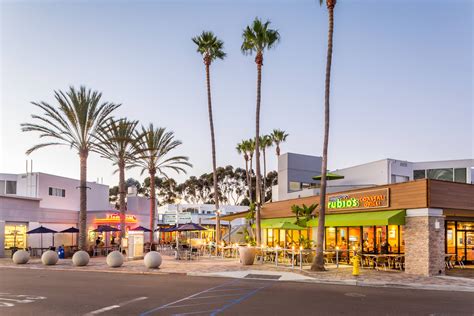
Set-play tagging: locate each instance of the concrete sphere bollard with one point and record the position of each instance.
(152, 260)
(115, 259)
(49, 258)
(21, 257)
(80, 258)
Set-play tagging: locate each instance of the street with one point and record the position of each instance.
(41, 292)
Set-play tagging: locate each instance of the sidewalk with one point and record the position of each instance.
(217, 267)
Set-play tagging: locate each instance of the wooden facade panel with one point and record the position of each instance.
(443, 194)
(412, 194)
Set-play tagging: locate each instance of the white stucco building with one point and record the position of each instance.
(296, 172)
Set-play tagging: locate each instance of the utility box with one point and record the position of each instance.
(135, 244)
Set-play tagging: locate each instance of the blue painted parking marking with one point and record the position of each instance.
(217, 299)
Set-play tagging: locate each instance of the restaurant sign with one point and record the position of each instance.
(377, 198)
(115, 218)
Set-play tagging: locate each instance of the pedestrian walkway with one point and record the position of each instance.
(218, 267)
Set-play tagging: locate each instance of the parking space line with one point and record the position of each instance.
(111, 307)
(244, 291)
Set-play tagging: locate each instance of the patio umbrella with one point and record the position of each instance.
(189, 227)
(42, 230)
(106, 229)
(141, 228)
(329, 176)
(72, 231)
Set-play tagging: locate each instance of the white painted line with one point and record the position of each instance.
(108, 308)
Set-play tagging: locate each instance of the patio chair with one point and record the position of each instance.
(381, 262)
(400, 263)
(460, 262)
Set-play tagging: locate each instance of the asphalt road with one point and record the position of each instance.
(41, 292)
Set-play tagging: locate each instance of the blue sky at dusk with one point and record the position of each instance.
(401, 87)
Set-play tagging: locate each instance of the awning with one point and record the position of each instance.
(231, 217)
(383, 218)
(280, 223)
(329, 176)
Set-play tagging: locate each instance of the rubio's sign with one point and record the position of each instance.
(359, 200)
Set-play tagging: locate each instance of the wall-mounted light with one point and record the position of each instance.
(437, 225)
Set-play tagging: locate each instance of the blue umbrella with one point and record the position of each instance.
(42, 230)
(141, 228)
(71, 230)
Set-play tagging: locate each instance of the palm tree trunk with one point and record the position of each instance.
(278, 149)
(83, 154)
(250, 181)
(259, 61)
(248, 178)
(152, 205)
(122, 192)
(318, 263)
(264, 176)
(213, 142)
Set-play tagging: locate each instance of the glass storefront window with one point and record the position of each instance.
(440, 174)
(381, 239)
(466, 225)
(15, 236)
(402, 239)
(450, 238)
(354, 238)
(369, 240)
(393, 238)
(330, 238)
(460, 175)
(270, 237)
(341, 233)
(282, 238)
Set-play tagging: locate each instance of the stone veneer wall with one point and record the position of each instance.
(424, 245)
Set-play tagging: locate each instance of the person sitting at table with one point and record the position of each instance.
(385, 247)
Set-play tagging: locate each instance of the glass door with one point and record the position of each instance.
(470, 246)
(460, 239)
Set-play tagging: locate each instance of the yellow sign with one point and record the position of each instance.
(377, 198)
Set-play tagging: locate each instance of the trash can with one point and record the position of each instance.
(61, 252)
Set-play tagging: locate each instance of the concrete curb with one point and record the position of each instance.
(412, 286)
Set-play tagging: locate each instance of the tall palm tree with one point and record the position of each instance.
(250, 145)
(243, 150)
(211, 48)
(155, 146)
(278, 136)
(75, 122)
(265, 142)
(117, 143)
(256, 39)
(318, 263)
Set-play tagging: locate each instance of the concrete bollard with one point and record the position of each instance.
(80, 258)
(152, 260)
(21, 257)
(49, 258)
(115, 259)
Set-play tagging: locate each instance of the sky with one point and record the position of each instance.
(401, 85)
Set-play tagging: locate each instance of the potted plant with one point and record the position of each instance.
(247, 253)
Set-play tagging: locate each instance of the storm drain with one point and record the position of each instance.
(262, 276)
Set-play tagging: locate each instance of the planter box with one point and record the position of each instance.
(247, 255)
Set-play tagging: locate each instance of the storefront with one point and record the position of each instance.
(427, 218)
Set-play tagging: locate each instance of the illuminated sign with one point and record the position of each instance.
(115, 218)
(377, 198)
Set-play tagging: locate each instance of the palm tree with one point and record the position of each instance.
(250, 145)
(265, 142)
(117, 143)
(258, 38)
(155, 145)
(74, 122)
(210, 47)
(318, 263)
(278, 136)
(242, 150)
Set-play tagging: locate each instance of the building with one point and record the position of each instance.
(30, 200)
(423, 211)
(296, 172)
(204, 215)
